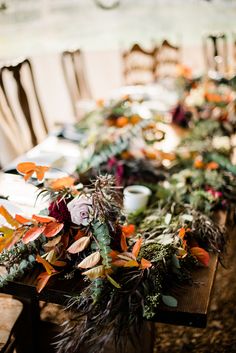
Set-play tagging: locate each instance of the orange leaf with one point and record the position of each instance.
(17, 234)
(5, 241)
(113, 254)
(60, 263)
(182, 232)
(32, 234)
(136, 247)
(65, 240)
(123, 243)
(79, 234)
(42, 280)
(45, 264)
(52, 229)
(25, 167)
(79, 245)
(29, 168)
(131, 263)
(128, 230)
(28, 175)
(40, 172)
(8, 217)
(145, 264)
(21, 219)
(62, 183)
(119, 263)
(43, 219)
(202, 255)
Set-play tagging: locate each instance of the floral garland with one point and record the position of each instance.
(129, 268)
(129, 265)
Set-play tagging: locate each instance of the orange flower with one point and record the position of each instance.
(126, 155)
(150, 154)
(135, 119)
(212, 166)
(122, 121)
(198, 163)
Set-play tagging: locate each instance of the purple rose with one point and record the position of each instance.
(81, 210)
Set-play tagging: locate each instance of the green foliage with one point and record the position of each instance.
(101, 233)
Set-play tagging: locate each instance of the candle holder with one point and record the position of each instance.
(136, 198)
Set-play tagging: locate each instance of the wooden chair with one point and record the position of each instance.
(20, 105)
(11, 310)
(75, 76)
(168, 60)
(215, 49)
(139, 65)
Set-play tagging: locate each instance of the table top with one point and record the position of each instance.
(193, 300)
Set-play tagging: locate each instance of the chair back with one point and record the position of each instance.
(215, 49)
(139, 65)
(168, 60)
(73, 65)
(20, 105)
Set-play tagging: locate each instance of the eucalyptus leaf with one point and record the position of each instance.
(169, 301)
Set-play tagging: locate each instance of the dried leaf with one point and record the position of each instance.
(95, 272)
(52, 229)
(123, 243)
(61, 183)
(8, 217)
(5, 241)
(126, 257)
(113, 254)
(52, 243)
(60, 263)
(202, 255)
(90, 260)
(145, 264)
(51, 256)
(131, 263)
(136, 247)
(42, 280)
(32, 234)
(43, 219)
(45, 264)
(6, 231)
(79, 234)
(22, 220)
(79, 245)
(16, 236)
(119, 263)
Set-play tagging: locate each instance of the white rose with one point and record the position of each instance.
(81, 210)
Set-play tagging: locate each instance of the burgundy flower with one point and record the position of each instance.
(59, 210)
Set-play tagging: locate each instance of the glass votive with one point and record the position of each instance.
(136, 198)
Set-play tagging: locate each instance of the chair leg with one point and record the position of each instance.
(27, 328)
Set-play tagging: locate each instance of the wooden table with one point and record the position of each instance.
(192, 310)
(193, 300)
